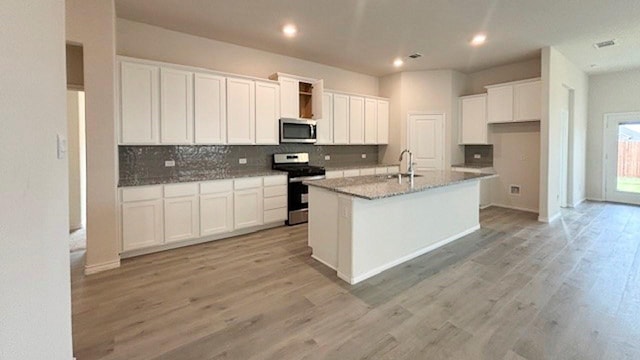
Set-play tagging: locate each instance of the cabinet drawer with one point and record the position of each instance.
(142, 193)
(393, 169)
(275, 180)
(275, 215)
(271, 191)
(351, 173)
(214, 187)
(276, 202)
(247, 183)
(367, 171)
(176, 190)
(334, 174)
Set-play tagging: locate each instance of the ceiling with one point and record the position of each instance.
(366, 35)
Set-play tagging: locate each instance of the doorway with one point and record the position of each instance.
(425, 139)
(76, 150)
(622, 158)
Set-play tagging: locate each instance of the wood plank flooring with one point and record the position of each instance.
(516, 289)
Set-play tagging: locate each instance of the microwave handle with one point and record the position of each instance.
(313, 131)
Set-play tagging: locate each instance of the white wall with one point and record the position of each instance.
(558, 74)
(433, 91)
(35, 290)
(516, 147)
(92, 24)
(608, 93)
(151, 42)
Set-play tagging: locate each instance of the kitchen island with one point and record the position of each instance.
(361, 226)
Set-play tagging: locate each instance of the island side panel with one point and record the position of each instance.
(323, 226)
(390, 231)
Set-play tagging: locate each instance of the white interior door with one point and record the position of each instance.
(425, 139)
(622, 158)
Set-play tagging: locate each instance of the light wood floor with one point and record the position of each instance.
(516, 289)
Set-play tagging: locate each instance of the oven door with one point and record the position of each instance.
(298, 199)
(297, 131)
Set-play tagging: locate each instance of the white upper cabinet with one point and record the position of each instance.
(383, 122)
(210, 111)
(139, 104)
(267, 113)
(516, 101)
(317, 98)
(241, 116)
(176, 106)
(289, 99)
(356, 120)
(371, 121)
(473, 119)
(527, 101)
(325, 125)
(340, 119)
(500, 104)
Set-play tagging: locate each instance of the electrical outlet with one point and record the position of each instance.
(327, 157)
(364, 156)
(169, 163)
(242, 161)
(477, 156)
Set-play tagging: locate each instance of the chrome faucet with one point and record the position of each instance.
(410, 169)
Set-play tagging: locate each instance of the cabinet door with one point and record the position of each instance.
(181, 218)
(289, 97)
(176, 106)
(325, 125)
(383, 122)
(247, 205)
(340, 119)
(356, 120)
(210, 112)
(500, 104)
(527, 101)
(371, 121)
(267, 113)
(241, 114)
(141, 224)
(473, 127)
(216, 213)
(139, 104)
(317, 99)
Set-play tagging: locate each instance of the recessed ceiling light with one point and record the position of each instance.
(289, 30)
(398, 62)
(479, 39)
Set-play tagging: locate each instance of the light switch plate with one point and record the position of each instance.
(364, 156)
(327, 157)
(169, 163)
(61, 146)
(242, 161)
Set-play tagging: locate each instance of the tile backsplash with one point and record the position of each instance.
(485, 152)
(149, 161)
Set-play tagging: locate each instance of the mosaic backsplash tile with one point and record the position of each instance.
(485, 152)
(147, 162)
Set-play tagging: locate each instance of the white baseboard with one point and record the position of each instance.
(356, 279)
(482, 207)
(96, 268)
(545, 219)
(313, 256)
(579, 202)
(595, 199)
(535, 211)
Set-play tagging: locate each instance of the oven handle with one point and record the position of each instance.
(306, 178)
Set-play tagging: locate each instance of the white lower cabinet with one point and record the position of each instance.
(181, 216)
(275, 199)
(216, 213)
(247, 208)
(142, 217)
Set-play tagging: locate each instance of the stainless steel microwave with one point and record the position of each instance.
(297, 131)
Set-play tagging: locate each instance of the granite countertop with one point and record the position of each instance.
(201, 176)
(383, 186)
(350, 167)
(473, 166)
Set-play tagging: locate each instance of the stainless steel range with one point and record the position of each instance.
(298, 169)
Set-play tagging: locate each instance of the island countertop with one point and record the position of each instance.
(374, 187)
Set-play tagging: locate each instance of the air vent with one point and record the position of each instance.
(604, 44)
(415, 56)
